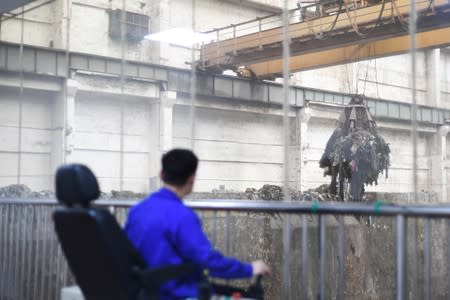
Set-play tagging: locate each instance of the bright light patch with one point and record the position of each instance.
(180, 36)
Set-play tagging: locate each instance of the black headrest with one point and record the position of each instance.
(76, 184)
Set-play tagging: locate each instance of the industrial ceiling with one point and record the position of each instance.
(8, 5)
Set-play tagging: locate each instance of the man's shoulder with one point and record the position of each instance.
(159, 200)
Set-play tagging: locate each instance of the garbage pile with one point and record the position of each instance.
(23, 191)
(123, 195)
(275, 193)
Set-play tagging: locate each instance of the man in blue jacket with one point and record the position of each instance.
(166, 232)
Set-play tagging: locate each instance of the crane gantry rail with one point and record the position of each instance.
(319, 38)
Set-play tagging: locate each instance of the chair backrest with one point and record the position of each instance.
(97, 250)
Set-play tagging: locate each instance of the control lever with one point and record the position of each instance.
(255, 290)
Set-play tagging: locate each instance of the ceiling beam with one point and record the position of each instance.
(258, 5)
(8, 5)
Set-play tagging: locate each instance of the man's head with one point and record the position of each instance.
(178, 169)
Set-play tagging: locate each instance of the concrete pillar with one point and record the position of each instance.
(443, 132)
(71, 91)
(61, 23)
(439, 163)
(160, 21)
(433, 64)
(303, 117)
(63, 115)
(154, 146)
(166, 121)
(162, 127)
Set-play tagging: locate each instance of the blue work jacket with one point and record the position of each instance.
(166, 232)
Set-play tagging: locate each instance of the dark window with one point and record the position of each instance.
(136, 25)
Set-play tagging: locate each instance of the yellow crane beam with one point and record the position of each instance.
(352, 53)
(252, 49)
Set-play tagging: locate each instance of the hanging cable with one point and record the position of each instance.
(355, 25)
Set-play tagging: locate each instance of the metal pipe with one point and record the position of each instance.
(19, 154)
(287, 256)
(304, 279)
(38, 233)
(17, 252)
(228, 234)
(9, 252)
(24, 238)
(286, 129)
(193, 86)
(44, 238)
(67, 76)
(3, 247)
(214, 227)
(322, 251)
(30, 252)
(341, 258)
(427, 258)
(122, 91)
(400, 257)
(413, 57)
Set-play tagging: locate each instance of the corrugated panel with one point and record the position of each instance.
(160, 74)
(46, 62)
(223, 87)
(97, 65)
(79, 62)
(146, 72)
(300, 97)
(131, 70)
(241, 89)
(29, 60)
(393, 110)
(405, 112)
(3, 56)
(13, 63)
(260, 91)
(113, 67)
(61, 64)
(275, 94)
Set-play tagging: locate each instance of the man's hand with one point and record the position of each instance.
(260, 268)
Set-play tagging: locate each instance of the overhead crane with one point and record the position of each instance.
(326, 35)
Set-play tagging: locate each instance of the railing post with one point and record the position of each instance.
(228, 233)
(322, 252)
(287, 256)
(427, 258)
(341, 286)
(234, 39)
(259, 33)
(400, 257)
(305, 258)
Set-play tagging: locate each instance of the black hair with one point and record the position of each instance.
(178, 165)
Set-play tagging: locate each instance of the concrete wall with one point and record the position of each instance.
(385, 78)
(98, 140)
(240, 143)
(445, 76)
(26, 136)
(238, 149)
(47, 26)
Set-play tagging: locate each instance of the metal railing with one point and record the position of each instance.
(316, 249)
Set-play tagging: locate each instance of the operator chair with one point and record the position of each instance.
(105, 264)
